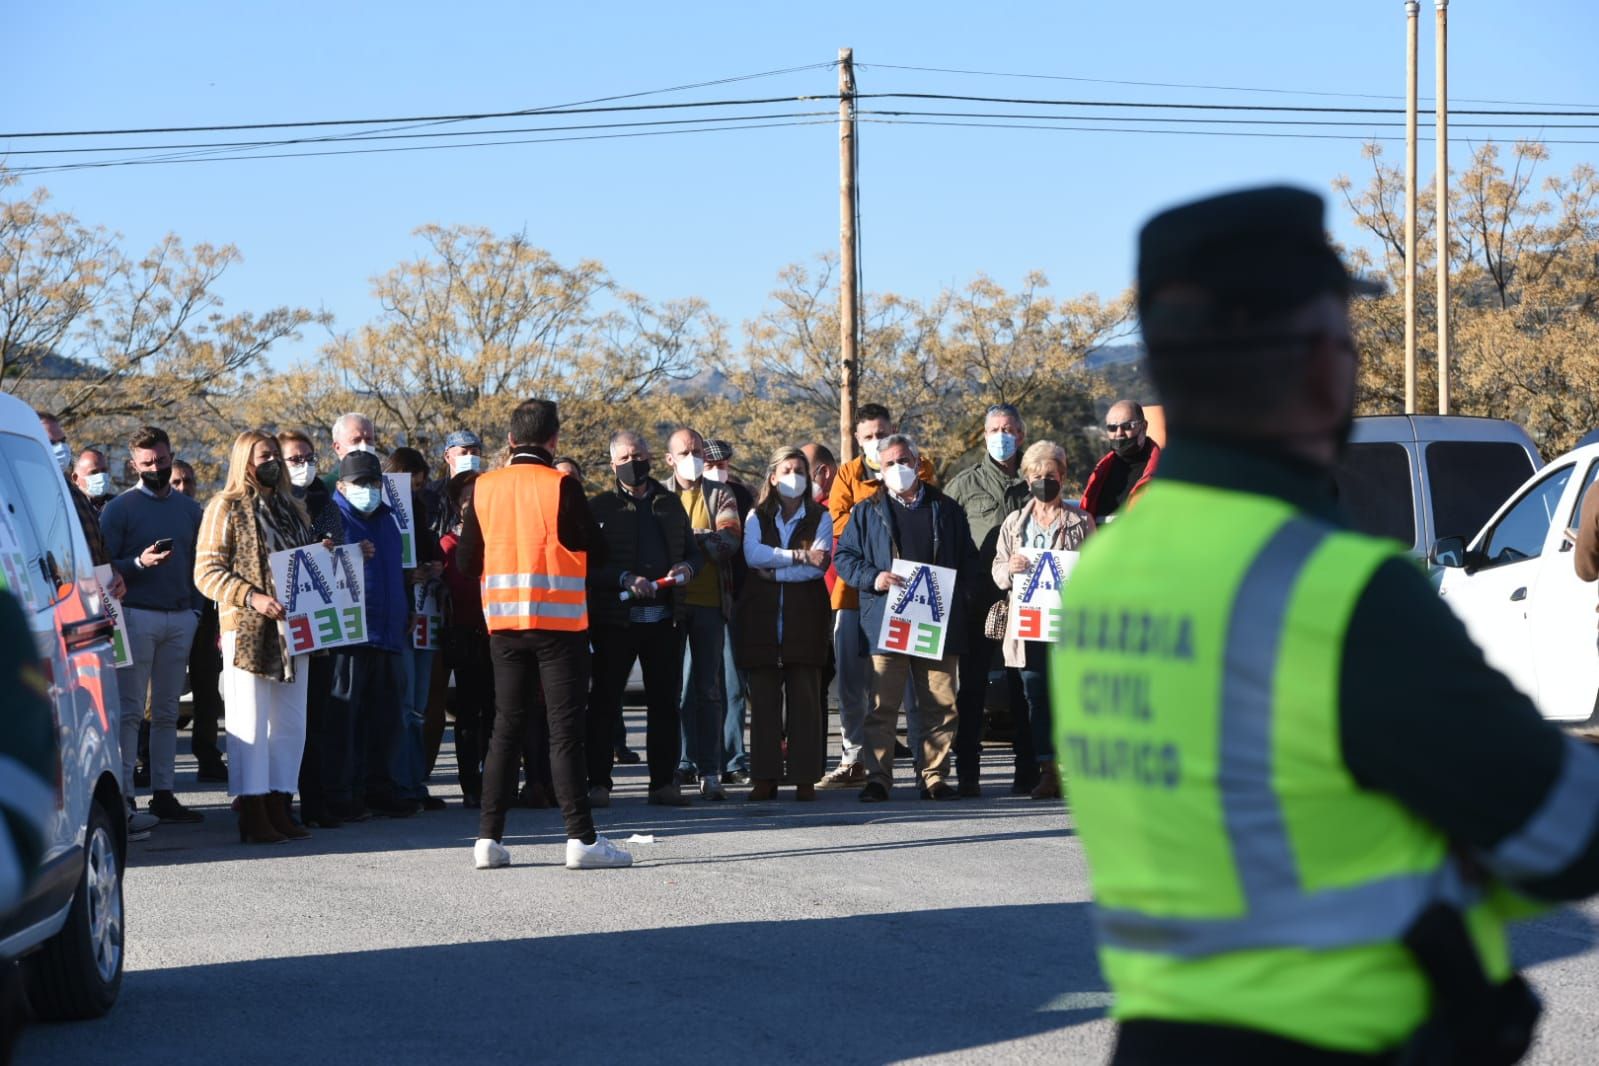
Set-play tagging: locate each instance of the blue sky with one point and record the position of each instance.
(717, 215)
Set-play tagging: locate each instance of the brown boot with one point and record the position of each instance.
(805, 793)
(1048, 787)
(277, 807)
(254, 825)
(761, 790)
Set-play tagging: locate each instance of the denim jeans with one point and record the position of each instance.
(704, 705)
(408, 756)
(737, 685)
(1035, 684)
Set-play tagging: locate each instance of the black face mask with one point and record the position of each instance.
(1127, 448)
(269, 473)
(633, 473)
(156, 480)
(1044, 489)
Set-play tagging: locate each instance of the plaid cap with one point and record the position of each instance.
(462, 438)
(718, 450)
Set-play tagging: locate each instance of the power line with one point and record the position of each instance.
(408, 148)
(1188, 133)
(1191, 85)
(1207, 107)
(1364, 123)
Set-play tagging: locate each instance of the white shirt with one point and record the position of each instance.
(781, 561)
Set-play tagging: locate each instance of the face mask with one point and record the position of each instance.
(364, 498)
(690, 467)
(1044, 489)
(1001, 446)
(468, 464)
(633, 472)
(899, 478)
(302, 475)
(361, 447)
(98, 485)
(156, 480)
(869, 449)
(717, 474)
(269, 473)
(63, 454)
(1127, 448)
(791, 486)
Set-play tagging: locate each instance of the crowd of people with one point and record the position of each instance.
(741, 605)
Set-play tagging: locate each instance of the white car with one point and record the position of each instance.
(1517, 590)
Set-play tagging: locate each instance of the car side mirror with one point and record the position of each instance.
(1450, 552)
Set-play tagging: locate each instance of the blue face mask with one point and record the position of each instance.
(1001, 446)
(364, 498)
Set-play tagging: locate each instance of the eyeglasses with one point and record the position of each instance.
(299, 460)
(1132, 425)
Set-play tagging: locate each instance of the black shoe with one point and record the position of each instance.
(682, 777)
(434, 803)
(735, 777)
(873, 793)
(319, 819)
(393, 808)
(350, 812)
(141, 776)
(901, 751)
(472, 801)
(971, 790)
(213, 771)
(625, 756)
(943, 791)
(165, 806)
(1023, 786)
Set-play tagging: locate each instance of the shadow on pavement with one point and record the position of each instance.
(872, 988)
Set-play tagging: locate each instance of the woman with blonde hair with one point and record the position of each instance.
(263, 685)
(785, 628)
(1045, 521)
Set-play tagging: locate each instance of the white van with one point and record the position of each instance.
(1515, 586)
(68, 932)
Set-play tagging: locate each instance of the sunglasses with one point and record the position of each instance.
(1130, 426)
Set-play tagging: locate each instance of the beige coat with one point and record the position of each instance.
(1068, 535)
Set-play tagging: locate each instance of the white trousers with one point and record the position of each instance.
(266, 726)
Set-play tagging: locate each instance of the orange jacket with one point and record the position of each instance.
(851, 486)
(529, 580)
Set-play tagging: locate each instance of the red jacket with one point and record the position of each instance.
(1096, 480)
(466, 598)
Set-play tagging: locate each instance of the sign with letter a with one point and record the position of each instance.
(121, 655)
(324, 594)
(1035, 595)
(917, 619)
(397, 494)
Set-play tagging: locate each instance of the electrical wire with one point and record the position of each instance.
(1363, 123)
(1188, 133)
(1207, 107)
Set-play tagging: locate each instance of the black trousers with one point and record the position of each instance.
(1148, 1042)
(970, 701)
(557, 663)
(361, 725)
(658, 648)
(318, 690)
(205, 679)
(468, 652)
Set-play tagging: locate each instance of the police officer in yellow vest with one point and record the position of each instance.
(529, 536)
(1308, 804)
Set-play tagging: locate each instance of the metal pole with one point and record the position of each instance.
(848, 311)
(1412, 10)
(1442, 133)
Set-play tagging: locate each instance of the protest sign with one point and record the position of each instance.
(325, 595)
(427, 620)
(397, 494)
(14, 568)
(121, 653)
(916, 621)
(1035, 595)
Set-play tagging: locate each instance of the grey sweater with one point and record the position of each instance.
(135, 520)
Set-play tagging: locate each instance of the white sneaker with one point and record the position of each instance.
(600, 855)
(599, 796)
(488, 854)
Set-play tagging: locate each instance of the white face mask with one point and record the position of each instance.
(869, 449)
(899, 478)
(689, 467)
(717, 474)
(96, 485)
(302, 475)
(363, 446)
(63, 454)
(467, 464)
(791, 486)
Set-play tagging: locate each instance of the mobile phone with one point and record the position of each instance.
(162, 545)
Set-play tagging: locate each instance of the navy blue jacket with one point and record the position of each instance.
(388, 604)
(867, 548)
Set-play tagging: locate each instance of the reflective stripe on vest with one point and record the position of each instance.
(530, 581)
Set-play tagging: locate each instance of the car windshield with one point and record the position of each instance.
(1468, 480)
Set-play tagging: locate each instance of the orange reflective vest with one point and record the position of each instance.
(529, 580)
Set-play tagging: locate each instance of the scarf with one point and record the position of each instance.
(260, 526)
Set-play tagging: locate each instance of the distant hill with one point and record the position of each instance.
(39, 364)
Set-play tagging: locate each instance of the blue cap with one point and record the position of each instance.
(462, 438)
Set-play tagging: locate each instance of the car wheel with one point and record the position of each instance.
(78, 972)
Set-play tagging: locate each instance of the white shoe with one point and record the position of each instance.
(600, 855)
(599, 796)
(489, 854)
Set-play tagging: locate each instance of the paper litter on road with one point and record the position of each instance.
(640, 838)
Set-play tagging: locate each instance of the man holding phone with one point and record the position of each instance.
(150, 533)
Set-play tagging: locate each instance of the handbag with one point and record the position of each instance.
(998, 619)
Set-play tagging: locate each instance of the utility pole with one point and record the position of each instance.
(1441, 131)
(848, 310)
(1412, 10)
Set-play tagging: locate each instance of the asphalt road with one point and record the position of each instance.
(907, 931)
